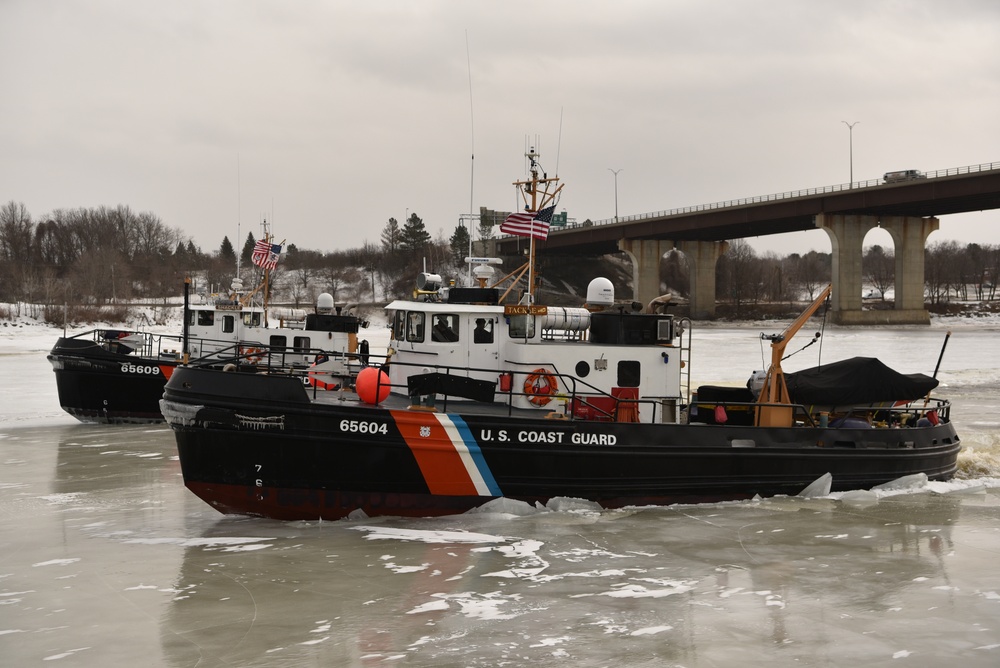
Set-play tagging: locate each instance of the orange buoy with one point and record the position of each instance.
(372, 385)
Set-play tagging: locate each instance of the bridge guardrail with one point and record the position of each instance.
(870, 183)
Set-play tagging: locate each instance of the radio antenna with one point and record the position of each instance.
(559, 140)
(239, 218)
(472, 148)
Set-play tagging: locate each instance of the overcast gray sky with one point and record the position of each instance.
(331, 117)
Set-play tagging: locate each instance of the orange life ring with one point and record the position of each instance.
(251, 354)
(540, 386)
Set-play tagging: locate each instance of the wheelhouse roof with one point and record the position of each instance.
(443, 307)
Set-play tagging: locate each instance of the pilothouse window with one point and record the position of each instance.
(445, 328)
(399, 326)
(522, 326)
(484, 331)
(206, 318)
(415, 327)
(228, 323)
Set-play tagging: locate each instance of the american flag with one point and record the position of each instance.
(529, 223)
(265, 254)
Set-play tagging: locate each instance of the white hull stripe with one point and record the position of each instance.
(471, 456)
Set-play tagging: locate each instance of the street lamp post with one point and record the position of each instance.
(615, 172)
(850, 133)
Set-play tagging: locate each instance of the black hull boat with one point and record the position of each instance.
(97, 383)
(117, 376)
(261, 445)
(478, 399)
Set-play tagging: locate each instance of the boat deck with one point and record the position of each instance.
(556, 410)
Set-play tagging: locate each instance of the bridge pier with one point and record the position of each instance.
(909, 234)
(847, 234)
(702, 257)
(645, 255)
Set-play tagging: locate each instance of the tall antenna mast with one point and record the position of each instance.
(239, 217)
(559, 140)
(472, 146)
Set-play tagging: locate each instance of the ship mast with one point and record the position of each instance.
(537, 193)
(263, 286)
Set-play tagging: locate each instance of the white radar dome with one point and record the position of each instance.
(601, 292)
(324, 303)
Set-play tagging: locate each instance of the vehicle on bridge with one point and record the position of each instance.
(904, 175)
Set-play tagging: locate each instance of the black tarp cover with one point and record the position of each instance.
(858, 380)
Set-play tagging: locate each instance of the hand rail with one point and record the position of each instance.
(759, 199)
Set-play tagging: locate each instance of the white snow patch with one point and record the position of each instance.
(640, 591)
(63, 655)
(56, 562)
(428, 536)
(431, 606)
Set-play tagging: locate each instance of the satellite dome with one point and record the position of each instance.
(601, 292)
(324, 303)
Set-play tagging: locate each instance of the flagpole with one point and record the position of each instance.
(531, 267)
(267, 275)
(534, 208)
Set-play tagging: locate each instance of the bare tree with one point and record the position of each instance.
(879, 267)
(16, 270)
(369, 257)
(938, 260)
(739, 274)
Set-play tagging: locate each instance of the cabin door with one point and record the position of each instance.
(484, 346)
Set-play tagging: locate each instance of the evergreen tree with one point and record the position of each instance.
(226, 253)
(459, 244)
(414, 237)
(390, 236)
(247, 249)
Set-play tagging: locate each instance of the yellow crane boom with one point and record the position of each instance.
(773, 409)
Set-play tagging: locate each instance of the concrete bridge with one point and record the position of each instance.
(908, 208)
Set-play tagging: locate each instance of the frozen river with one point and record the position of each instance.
(107, 560)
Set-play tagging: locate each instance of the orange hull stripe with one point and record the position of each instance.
(439, 461)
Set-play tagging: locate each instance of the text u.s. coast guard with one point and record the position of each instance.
(531, 436)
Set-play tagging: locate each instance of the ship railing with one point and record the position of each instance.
(877, 415)
(294, 360)
(140, 344)
(577, 399)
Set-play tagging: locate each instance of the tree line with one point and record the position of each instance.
(106, 255)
